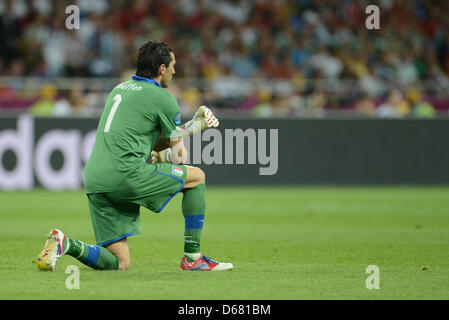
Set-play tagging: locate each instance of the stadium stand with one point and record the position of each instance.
(262, 58)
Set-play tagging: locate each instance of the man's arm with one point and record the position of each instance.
(161, 144)
(164, 143)
(202, 120)
(176, 152)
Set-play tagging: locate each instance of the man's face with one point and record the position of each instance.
(169, 72)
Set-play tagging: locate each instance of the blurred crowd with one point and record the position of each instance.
(267, 58)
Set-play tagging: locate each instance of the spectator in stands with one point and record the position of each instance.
(420, 107)
(226, 41)
(365, 106)
(424, 109)
(71, 103)
(9, 33)
(264, 108)
(395, 105)
(44, 106)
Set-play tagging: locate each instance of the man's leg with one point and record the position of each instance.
(195, 176)
(96, 257)
(112, 223)
(121, 250)
(193, 209)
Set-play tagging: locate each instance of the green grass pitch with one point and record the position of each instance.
(285, 243)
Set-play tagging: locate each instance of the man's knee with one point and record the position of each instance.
(195, 176)
(202, 176)
(124, 264)
(121, 250)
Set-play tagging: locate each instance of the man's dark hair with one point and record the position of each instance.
(150, 57)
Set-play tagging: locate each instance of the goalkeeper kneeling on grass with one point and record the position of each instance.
(139, 117)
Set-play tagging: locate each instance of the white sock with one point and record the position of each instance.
(193, 256)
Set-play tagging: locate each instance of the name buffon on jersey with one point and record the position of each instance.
(129, 86)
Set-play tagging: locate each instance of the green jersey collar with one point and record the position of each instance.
(138, 78)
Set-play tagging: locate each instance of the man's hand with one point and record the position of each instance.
(163, 156)
(176, 154)
(202, 120)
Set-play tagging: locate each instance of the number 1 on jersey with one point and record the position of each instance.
(117, 98)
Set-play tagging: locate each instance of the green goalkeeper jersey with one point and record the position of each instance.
(136, 113)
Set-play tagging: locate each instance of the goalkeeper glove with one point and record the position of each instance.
(202, 120)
